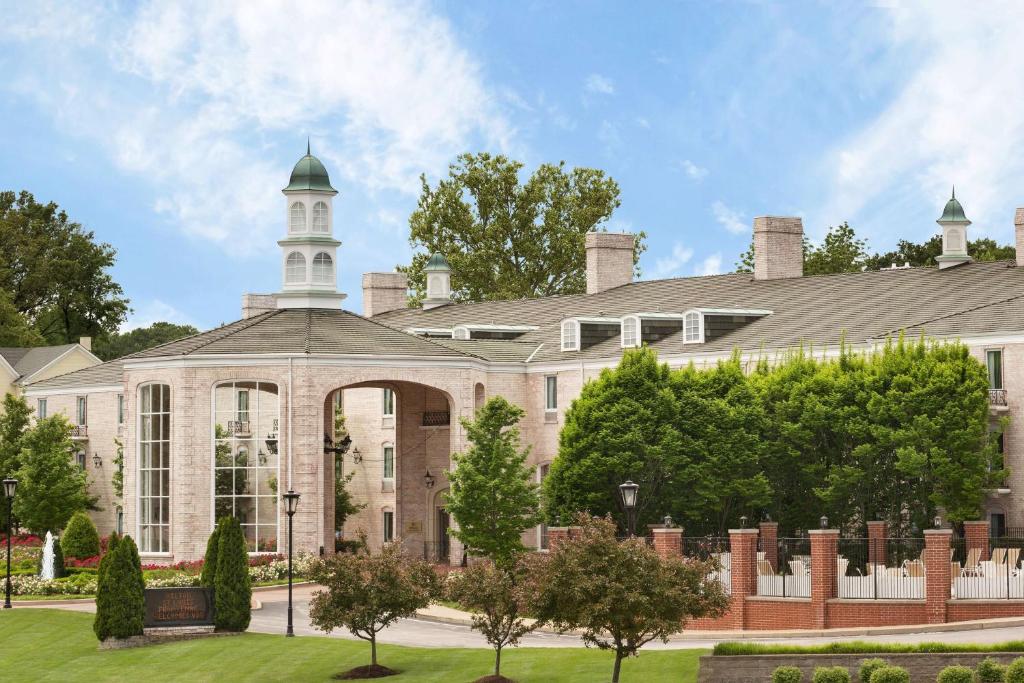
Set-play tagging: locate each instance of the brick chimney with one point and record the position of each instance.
(609, 260)
(1018, 228)
(255, 304)
(383, 292)
(778, 247)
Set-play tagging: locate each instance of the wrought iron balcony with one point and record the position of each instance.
(79, 432)
(997, 397)
(436, 418)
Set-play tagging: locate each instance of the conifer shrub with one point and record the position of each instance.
(80, 539)
(831, 674)
(868, 666)
(207, 578)
(232, 593)
(1015, 672)
(990, 671)
(955, 674)
(787, 674)
(59, 570)
(120, 605)
(890, 674)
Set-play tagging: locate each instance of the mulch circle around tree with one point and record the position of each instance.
(494, 679)
(368, 671)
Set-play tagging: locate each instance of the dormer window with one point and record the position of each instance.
(320, 218)
(570, 335)
(297, 217)
(495, 332)
(582, 333)
(630, 332)
(693, 328)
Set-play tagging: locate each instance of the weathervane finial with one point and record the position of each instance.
(307, 146)
(954, 192)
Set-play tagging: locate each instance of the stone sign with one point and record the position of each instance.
(179, 607)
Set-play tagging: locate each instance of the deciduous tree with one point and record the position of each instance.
(51, 487)
(119, 344)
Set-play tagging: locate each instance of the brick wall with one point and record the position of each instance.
(770, 542)
(856, 613)
(976, 536)
(878, 532)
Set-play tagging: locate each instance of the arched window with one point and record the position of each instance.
(295, 268)
(320, 217)
(297, 218)
(630, 331)
(570, 335)
(154, 448)
(323, 268)
(435, 285)
(693, 332)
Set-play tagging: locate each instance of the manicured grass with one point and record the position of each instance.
(858, 647)
(53, 645)
(84, 598)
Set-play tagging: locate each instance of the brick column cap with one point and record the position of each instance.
(774, 524)
(823, 532)
(744, 531)
(663, 530)
(877, 522)
(976, 522)
(938, 532)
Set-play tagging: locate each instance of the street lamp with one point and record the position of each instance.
(628, 491)
(9, 486)
(291, 501)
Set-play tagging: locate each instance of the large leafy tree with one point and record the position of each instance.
(15, 328)
(51, 487)
(620, 594)
(15, 417)
(622, 426)
(492, 495)
(509, 239)
(117, 344)
(55, 272)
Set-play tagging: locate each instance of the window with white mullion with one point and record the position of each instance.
(297, 218)
(295, 268)
(320, 223)
(154, 449)
(692, 328)
(570, 335)
(630, 332)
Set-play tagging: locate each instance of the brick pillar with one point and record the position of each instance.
(877, 551)
(976, 536)
(743, 547)
(824, 571)
(556, 534)
(937, 579)
(668, 542)
(770, 542)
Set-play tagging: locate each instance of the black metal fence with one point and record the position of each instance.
(886, 569)
(980, 574)
(784, 568)
(712, 548)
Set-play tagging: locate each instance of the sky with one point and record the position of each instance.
(169, 129)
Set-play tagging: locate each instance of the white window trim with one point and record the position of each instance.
(138, 467)
(384, 403)
(322, 279)
(1002, 366)
(700, 326)
(327, 219)
(383, 460)
(547, 407)
(635, 319)
(574, 343)
(42, 409)
(305, 217)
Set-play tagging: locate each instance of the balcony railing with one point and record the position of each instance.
(436, 418)
(80, 432)
(997, 397)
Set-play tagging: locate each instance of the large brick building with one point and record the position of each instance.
(224, 421)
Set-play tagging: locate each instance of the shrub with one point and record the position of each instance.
(208, 577)
(868, 666)
(990, 671)
(831, 674)
(120, 607)
(1015, 672)
(787, 674)
(955, 674)
(232, 587)
(80, 539)
(890, 674)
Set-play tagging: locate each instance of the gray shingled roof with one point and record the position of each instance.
(28, 361)
(104, 374)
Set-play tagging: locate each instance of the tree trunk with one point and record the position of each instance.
(373, 649)
(497, 661)
(618, 665)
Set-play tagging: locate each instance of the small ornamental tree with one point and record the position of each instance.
(59, 570)
(208, 577)
(622, 595)
(80, 539)
(493, 497)
(498, 599)
(120, 605)
(232, 593)
(367, 593)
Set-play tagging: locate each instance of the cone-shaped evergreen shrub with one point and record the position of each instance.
(59, 571)
(207, 578)
(80, 539)
(120, 608)
(232, 592)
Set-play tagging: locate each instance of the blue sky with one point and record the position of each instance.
(169, 129)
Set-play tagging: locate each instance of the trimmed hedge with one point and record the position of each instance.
(859, 647)
(955, 674)
(120, 606)
(1015, 672)
(80, 538)
(990, 671)
(208, 577)
(232, 594)
(890, 674)
(868, 666)
(787, 674)
(831, 674)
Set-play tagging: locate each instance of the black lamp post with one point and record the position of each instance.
(291, 502)
(628, 491)
(9, 486)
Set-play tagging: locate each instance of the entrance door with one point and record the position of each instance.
(443, 521)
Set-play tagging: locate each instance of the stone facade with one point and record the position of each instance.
(609, 260)
(384, 292)
(778, 247)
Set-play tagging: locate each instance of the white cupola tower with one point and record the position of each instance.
(954, 234)
(309, 263)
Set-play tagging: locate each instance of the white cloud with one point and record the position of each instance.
(188, 95)
(154, 311)
(692, 170)
(670, 265)
(730, 219)
(712, 265)
(643, 122)
(599, 85)
(954, 119)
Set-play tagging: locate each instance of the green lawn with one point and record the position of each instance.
(53, 645)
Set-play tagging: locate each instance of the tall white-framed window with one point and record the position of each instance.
(82, 411)
(389, 461)
(570, 335)
(295, 268)
(320, 223)
(246, 463)
(630, 331)
(120, 409)
(388, 407)
(994, 361)
(41, 409)
(389, 526)
(693, 328)
(551, 393)
(323, 268)
(154, 448)
(297, 217)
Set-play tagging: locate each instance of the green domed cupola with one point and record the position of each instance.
(309, 174)
(954, 212)
(437, 262)
(954, 234)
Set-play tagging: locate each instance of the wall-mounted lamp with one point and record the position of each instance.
(428, 480)
(357, 457)
(97, 461)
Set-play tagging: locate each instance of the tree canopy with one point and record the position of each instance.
(119, 344)
(508, 239)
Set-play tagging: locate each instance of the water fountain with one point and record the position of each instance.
(47, 566)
